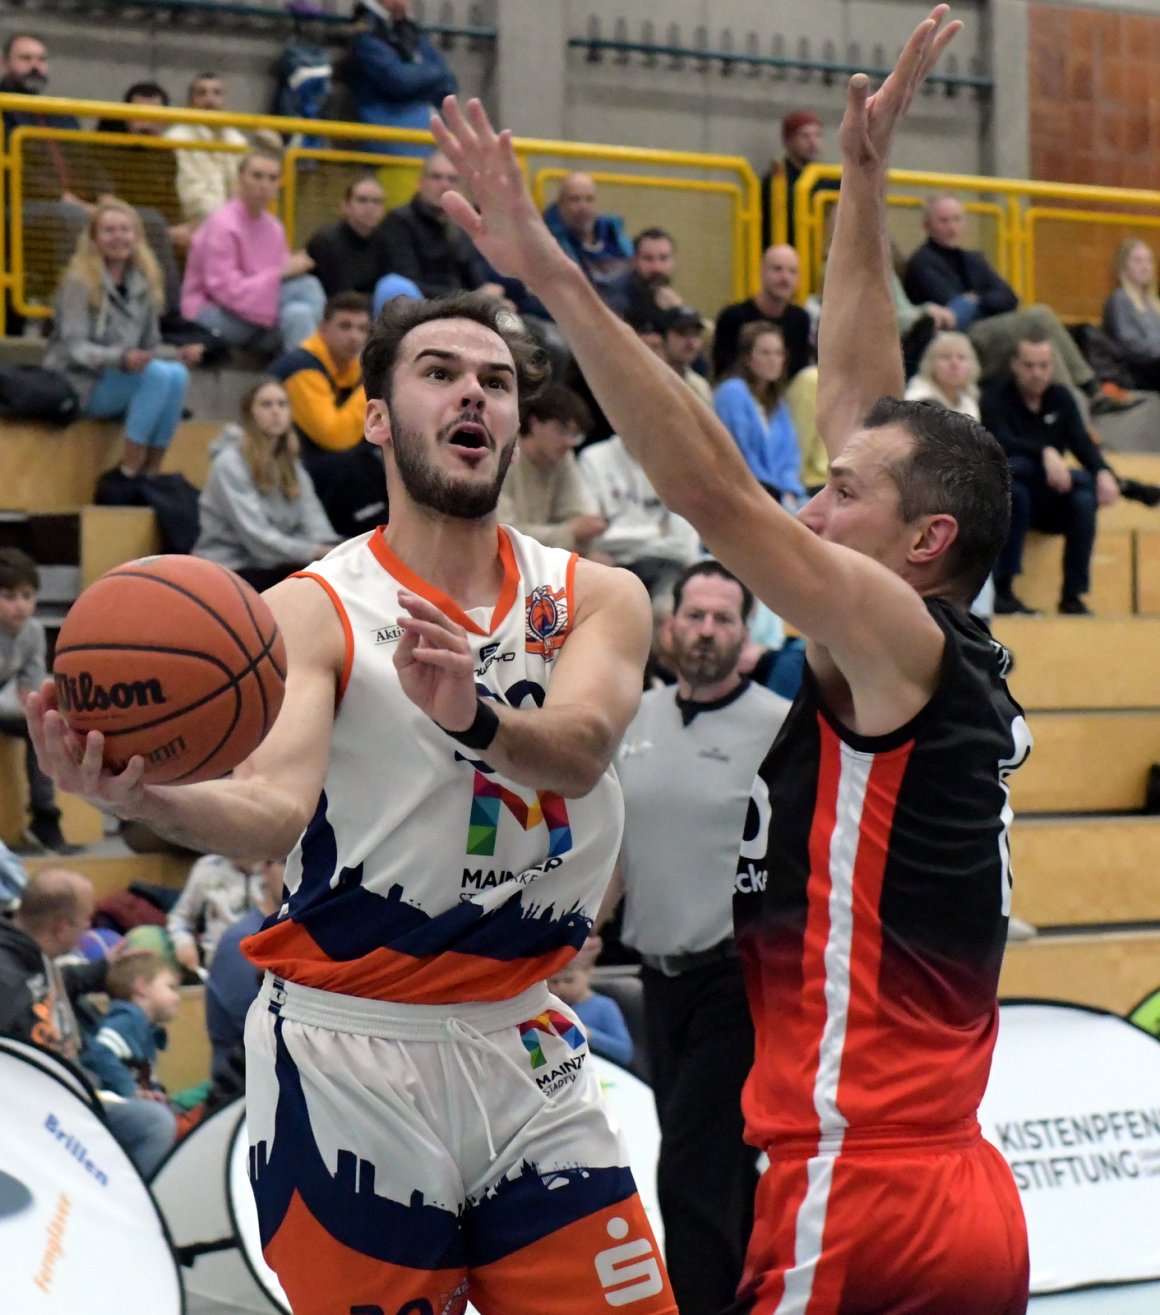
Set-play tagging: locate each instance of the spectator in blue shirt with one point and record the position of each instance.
(395, 73)
(608, 1033)
(751, 406)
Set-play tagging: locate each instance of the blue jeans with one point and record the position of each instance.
(300, 304)
(965, 310)
(151, 400)
(146, 1131)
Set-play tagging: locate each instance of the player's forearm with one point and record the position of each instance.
(564, 750)
(859, 355)
(687, 453)
(241, 819)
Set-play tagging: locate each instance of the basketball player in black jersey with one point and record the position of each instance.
(874, 879)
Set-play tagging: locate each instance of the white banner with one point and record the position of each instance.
(1073, 1104)
(78, 1228)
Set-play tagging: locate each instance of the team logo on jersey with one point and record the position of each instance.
(547, 621)
(488, 801)
(551, 1023)
(628, 1272)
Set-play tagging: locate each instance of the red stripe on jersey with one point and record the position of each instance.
(289, 951)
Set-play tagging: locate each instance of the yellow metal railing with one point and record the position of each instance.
(1074, 273)
(314, 179)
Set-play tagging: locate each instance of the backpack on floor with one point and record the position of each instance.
(172, 497)
(30, 392)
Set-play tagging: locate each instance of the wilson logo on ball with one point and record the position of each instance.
(81, 693)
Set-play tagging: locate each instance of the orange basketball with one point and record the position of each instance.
(174, 658)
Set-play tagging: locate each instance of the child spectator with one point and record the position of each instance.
(751, 406)
(260, 515)
(144, 996)
(608, 1033)
(107, 332)
(217, 893)
(22, 669)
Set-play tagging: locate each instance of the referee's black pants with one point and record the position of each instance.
(700, 1043)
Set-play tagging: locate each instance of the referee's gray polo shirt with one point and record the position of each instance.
(686, 789)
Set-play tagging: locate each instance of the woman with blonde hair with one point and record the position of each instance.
(1132, 312)
(751, 405)
(106, 336)
(948, 373)
(260, 515)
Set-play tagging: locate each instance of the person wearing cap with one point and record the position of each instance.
(683, 337)
(396, 73)
(801, 134)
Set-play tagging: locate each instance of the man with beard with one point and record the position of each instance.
(686, 767)
(425, 1127)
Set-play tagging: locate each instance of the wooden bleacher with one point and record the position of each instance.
(1084, 860)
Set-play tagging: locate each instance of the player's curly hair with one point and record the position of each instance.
(402, 314)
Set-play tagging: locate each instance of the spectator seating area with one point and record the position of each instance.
(1091, 686)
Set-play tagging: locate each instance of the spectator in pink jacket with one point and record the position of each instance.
(241, 279)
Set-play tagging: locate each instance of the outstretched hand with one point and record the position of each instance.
(504, 223)
(435, 664)
(870, 120)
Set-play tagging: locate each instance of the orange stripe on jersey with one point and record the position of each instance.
(348, 656)
(448, 606)
(288, 950)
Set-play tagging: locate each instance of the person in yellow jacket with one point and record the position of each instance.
(323, 378)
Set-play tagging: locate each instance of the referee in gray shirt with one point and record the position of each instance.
(686, 766)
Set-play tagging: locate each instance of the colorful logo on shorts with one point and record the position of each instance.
(489, 799)
(546, 621)
(552, 1023)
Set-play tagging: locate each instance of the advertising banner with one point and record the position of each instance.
(1073, 1104)
(78, 1228)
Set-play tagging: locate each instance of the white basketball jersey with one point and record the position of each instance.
(425, 876)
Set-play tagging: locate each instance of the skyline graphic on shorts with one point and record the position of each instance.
(489, 797)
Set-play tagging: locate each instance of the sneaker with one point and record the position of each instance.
(1018, 930)
(1072, 606)
(44, 831)
(1111, 398)
(1006, 604)
(1148, 494)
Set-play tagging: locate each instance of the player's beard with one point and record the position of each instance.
(437, 491)
(701, 665)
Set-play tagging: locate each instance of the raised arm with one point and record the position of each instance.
(859, 356)
(842, 599)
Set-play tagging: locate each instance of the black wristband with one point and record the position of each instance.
(481, 732)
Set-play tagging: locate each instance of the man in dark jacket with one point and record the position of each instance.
(37, 996)
(942, 271)
(355, 253)
(1037, 421)
(395, 72)
(427, 247)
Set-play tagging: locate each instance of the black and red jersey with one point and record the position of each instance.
(873, 892)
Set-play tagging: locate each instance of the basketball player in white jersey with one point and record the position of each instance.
(425, 1129)
(874, 879)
